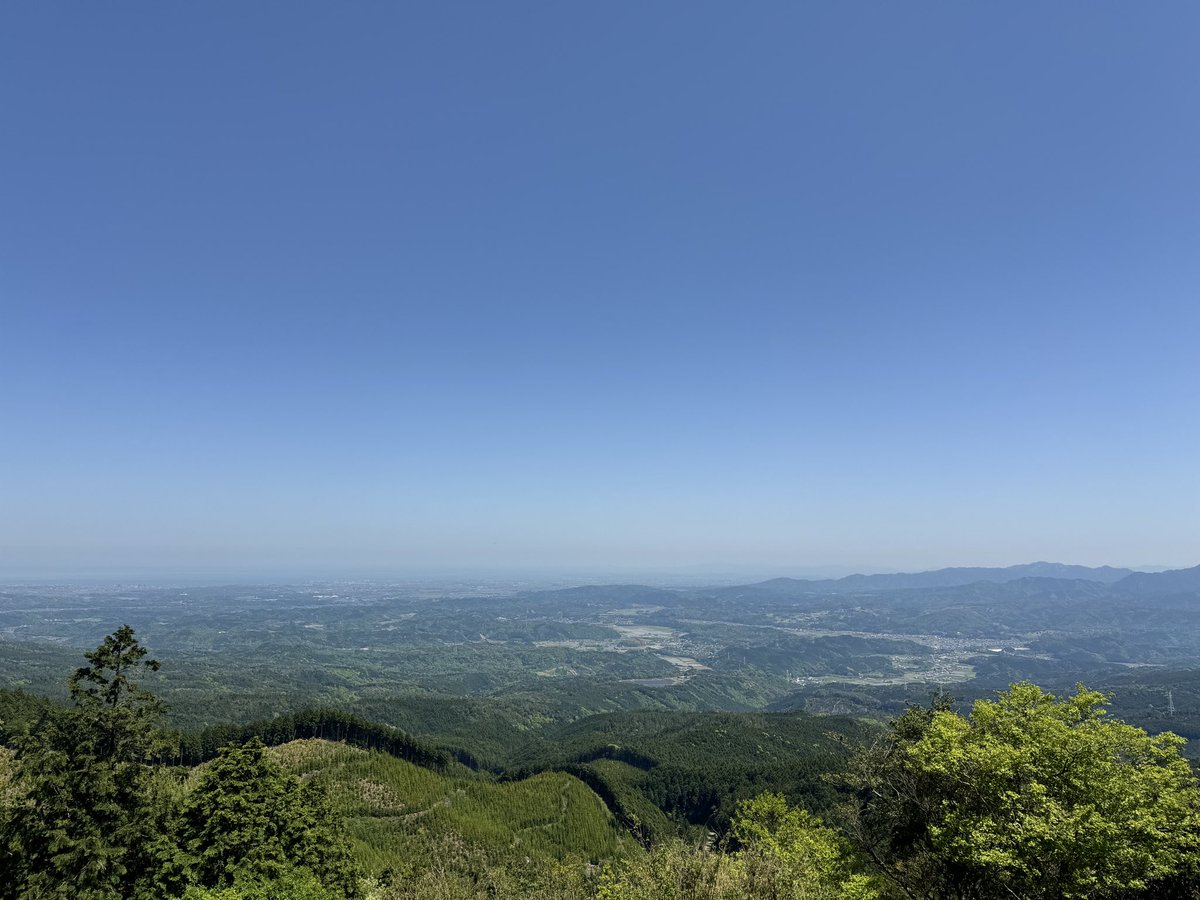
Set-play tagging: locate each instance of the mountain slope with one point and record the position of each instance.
(696, 767)
(1175, 581)
(393, 808)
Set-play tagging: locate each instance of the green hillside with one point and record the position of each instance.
(393, 808)
(691, 769)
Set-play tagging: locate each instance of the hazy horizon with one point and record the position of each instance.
(525, 576)
(598, 288)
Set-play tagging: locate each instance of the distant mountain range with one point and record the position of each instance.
(1030, 579)
(1176, 581)
(1119, 580)
(953, 577)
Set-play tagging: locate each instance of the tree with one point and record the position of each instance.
(108, 695)
(84, 822)
(86, 814)
(1032, 796)
(784, 853)
(247, 821)
(893, 804)
(290, 884)
(789, 855)
(673, 870)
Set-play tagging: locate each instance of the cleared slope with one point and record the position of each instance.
(394, 808)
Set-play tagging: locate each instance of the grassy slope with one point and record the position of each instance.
(393, 807)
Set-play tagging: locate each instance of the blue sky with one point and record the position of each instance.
(373, 287)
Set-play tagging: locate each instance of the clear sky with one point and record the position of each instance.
(373, 286)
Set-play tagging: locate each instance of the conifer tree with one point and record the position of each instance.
(247, 820)
(84, 823)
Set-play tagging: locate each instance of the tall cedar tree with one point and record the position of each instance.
(247, 819)
(84, 823)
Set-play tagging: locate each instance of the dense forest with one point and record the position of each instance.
(1028, 794)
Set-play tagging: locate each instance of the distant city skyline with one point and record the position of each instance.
(610, 288)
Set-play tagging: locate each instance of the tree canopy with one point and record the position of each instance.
(1030, 795)
(90, 813)
(1027, 795)
(247, 819)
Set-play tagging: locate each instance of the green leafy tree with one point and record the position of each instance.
(1031, 796)
(893, 804)
(787, 854)
(673, 870)
(784, 853)
(247, 821)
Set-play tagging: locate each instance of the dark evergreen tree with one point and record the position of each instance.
(84, 823)
(247, 819)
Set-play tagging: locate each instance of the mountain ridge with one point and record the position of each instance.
(1109, 578)
(957, 576)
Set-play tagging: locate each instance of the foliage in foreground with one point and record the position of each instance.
(288, 884)
(247, 818)
(84, 818)
(1030, 795)
(783, 853)
(87, 815)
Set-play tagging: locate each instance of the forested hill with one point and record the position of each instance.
(668, 771)
(390, 805)
(1177, 581)
(621, 806)
(325, 724)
